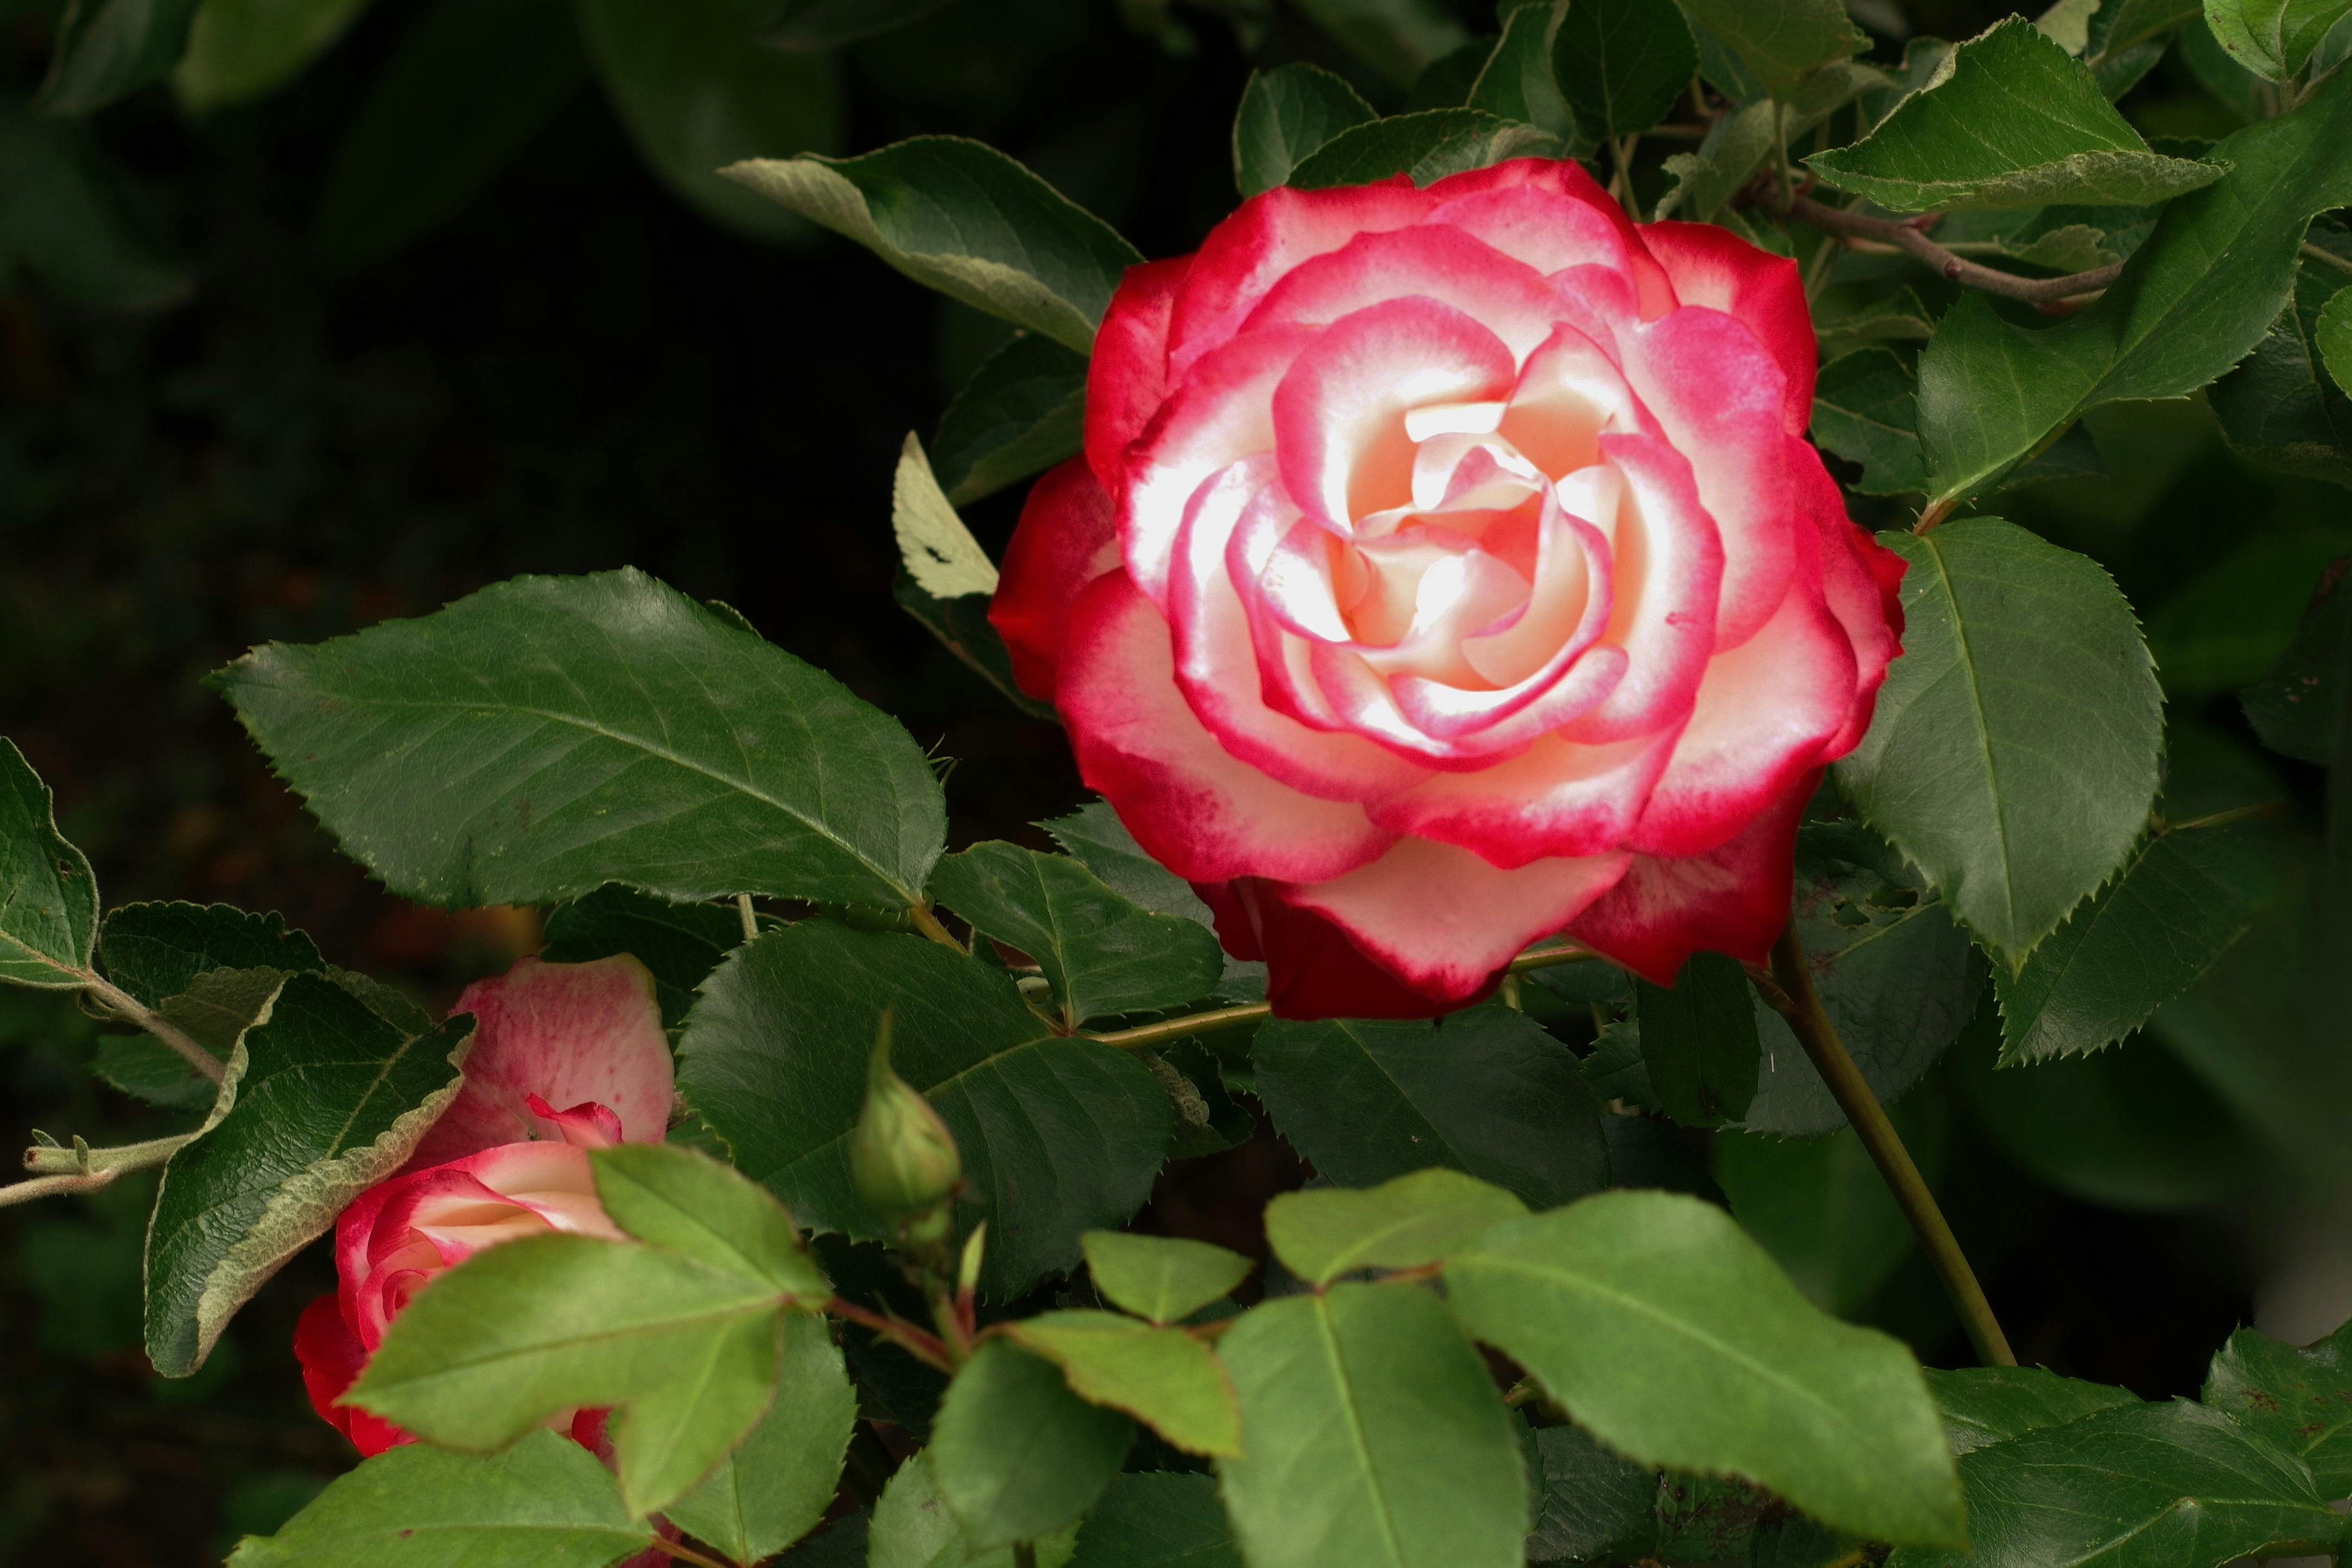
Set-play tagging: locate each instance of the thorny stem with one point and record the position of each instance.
(1801, 1004)
(1936, 512)
(924, 1347)
(750, 918)
(1250, 1012)
(929, 925)
(1909, 234)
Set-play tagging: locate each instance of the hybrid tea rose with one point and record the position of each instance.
(1447, 569)
(502, 1162)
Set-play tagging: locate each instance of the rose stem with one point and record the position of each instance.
(1801, 1004)
(1909, 234)
(751, 919)
(678, 1551)
(1250, 1012)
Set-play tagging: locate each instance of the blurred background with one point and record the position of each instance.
(442, 305)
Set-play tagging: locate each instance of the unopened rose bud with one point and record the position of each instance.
(901, 1155)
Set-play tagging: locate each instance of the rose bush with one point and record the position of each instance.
(504, 1161)
(1446, 567)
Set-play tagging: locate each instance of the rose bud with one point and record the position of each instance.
(901, 1155)
(502, 1162)
(1447, 569)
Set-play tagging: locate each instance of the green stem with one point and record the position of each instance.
(1819, 1035)
(751, 919)
(929, 925)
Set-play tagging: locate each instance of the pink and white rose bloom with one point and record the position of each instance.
(1447, 569)
(566, 1058)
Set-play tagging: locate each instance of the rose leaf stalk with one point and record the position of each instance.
(1793, 994)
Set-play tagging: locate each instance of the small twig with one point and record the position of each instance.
(2224, 817)
(678, 1551)
(1810, 1024)
(129, 1009)
(1909, 236)
(929, 925)
(924, 1347)
(17, 1192)
(1621, 183)
(81, 1160)
(2321, 253)
(1936, 512)
(750, 918)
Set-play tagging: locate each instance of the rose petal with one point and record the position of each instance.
(1505, 226)
(1734, 899)
(1862, 584)
(1321, 972)
(1066, 538)
(1127, 377)
(1507, 298)
(1712, 267)
(1552, 800)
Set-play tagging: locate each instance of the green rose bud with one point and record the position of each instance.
(901, 1155)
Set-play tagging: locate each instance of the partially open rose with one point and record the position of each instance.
(566, 1058)
(1447, 569)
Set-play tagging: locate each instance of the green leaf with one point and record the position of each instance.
(2191, 301)
(1900, 316)
(2138, 1486)
(679, 943)
(1734, 146)
(1699, 1040)
(2180, 904)
(1414, 1220)
(49, 896)
(1286, 113)
(1986, 1405)
(2273, 38)
(1161, 1278)
(75, 219)
(1094, 837)
(1485, 1090)
(1371, 1437)
(2297, 705)
(545, 1500)
(242, 49)
(2014, 753)
(698, 90)
(108, 48)
(322, 1100)
(2284, 406)
(1398, 39)
(809, 24)
(1821, 1207)
(2015, 123)
(1517, 82)
(530, 1327)
(915, 1528)
(146, 1069)
(1162, 1376)
(1058, 1136)
(550, 734)
(1621, 63)
(1670, 1336)
(962, 626)
(2300, 1400)
(778, 1481)
(691, 1203)
(1102, 954)
(1426, 146)
(1023, 411)
(471, 85)
(1067, 1450)
(1865, 409)
(1783, 41)
(1158, 1520)
(1615, 1069)
(1588, 1501)
(2117, 29)
(962, 218)
(936, 548)
(155, 951)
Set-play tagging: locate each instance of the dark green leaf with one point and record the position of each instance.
(545, 1323)
(2138, 1486)
(2177, 907)
(915, 1528)
(2013, 757)
(550, 734)
(1058, 1136)
(106, 48)
(72, 217)
(1158, 1520)
(962, 218)
(1286, 114)
(2300, 1400)
(1986, 1405)
(1094, 837)
(691, 1203)
(679, 943)
(242, 49)
(1588, 1500)
(2298, 704)
(471, 85)
(323, 1100)
(2015, 123)
(1398, 39)
(1865, 409)
(546, 1499)
(1447, 82)
(146, 1069)
(961, 624)
(1615, 1069)
(2282, 407)
(1662, 1329)
(2273, 38)
(809, 24)
(1161, 1278)
(1067, 1450)
(1621, 64)
(1371, 1437)
(1485, 1090)
(1781, 41)
(1426, 146)
(2191, 301)
(1900, 316)
(1699, 1040)
(2333, 334)
(1162, 1376)
(1102, 954)
(1408, 1223)
(1023, 411)
(48, 897)
(155, 951)
(2118, 29)
(698, 89)
(1517, 82)
(778, 1481)
(1821, 1207)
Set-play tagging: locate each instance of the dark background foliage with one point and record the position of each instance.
(579, 372)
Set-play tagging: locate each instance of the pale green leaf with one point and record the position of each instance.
(1162, 1376)
(1416, 1219)
(685, 1200)
(242, 49)
(1161, 1278)
(780, 1479)
(1066, 1451)
(2299, 1399)
(2274, 38)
